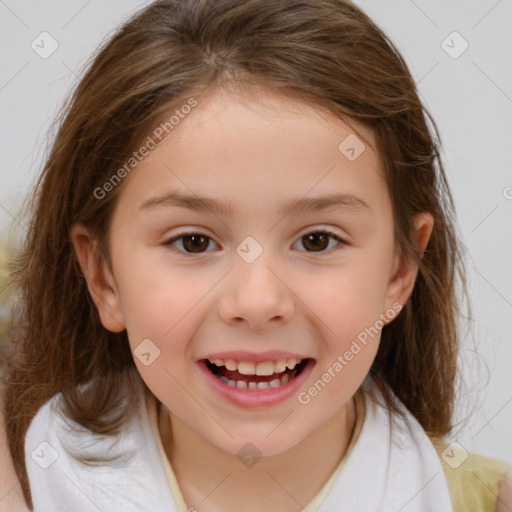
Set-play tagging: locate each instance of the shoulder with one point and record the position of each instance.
(54, 450)
(52, 433)
(47, 462)
(70, 467)
(43, 440)
(474, 480)
(53, 439)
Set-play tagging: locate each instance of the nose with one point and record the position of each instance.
(258, 295)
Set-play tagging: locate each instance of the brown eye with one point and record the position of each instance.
(318, 241)
(192, 243)
(196, 243)
(315, 241)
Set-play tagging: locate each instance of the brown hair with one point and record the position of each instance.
(325, 52)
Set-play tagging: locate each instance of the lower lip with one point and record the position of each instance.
(257, 397)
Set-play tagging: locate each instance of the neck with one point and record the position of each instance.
(211, 479)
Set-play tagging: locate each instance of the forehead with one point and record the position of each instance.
(258, 111)
(240, 147)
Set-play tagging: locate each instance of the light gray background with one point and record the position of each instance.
(470, 98)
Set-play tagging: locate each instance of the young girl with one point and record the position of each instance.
(239, 288)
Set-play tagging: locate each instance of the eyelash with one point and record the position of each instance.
(169, 242)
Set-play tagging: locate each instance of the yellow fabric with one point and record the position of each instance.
(154, 408)
(473, 484)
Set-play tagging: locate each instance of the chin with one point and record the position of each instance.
(256, 444)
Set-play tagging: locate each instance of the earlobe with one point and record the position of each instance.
(100, 282)
(405, 268)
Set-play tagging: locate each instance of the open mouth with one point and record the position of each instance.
(256, 377)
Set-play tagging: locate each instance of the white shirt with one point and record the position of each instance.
(392, 467)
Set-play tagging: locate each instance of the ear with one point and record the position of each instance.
(100, 281)
(405, 269)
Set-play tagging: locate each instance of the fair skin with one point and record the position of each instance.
(256, 155)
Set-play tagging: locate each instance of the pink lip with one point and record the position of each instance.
(241, 355)
(260, 397)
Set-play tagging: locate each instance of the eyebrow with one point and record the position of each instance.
(224, 208)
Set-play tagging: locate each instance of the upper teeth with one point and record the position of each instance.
(263, 368)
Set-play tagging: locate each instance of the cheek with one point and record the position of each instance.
(154, 295)
(347, 302)
(348, 309)
(164, 305)
(161, 316)
(345, 298)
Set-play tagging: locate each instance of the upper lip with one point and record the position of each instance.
(242, 355)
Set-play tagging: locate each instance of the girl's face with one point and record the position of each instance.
(254, 182)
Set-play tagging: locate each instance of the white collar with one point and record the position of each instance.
(392, 467)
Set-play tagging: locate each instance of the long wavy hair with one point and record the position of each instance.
(327, 53)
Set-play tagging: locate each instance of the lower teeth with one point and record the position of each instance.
(241, 384)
